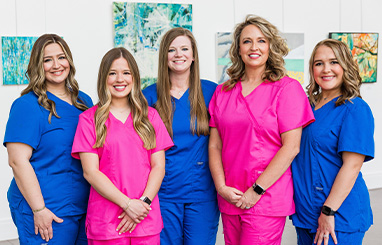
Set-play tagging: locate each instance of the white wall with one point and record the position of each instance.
(87, 27)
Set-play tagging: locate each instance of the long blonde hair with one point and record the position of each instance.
(36, 75)
(136, 100)
(165, 105)
(350, 87)
(274, 69)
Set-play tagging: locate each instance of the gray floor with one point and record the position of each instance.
(372, 237)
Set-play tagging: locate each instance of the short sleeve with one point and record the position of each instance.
(293, 108)
(150, 94)
(163, 139)
(357, 131)
(211, 109)
(86, 99)
(25, 123)
(85, 136)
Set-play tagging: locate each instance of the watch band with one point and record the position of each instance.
(327, 211)
(145, 199)
(258, 189)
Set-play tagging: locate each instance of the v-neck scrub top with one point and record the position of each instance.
(125, 161)
(63, 187)
(348, 127)
(188, 177)
(250, 129)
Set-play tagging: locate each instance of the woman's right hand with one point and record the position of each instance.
(43, 223)
(230, 194)
(137, 210)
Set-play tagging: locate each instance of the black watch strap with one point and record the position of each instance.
(258, 189)
(327, 211)
(146, 200)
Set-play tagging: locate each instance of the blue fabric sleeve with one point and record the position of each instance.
(357, 131)
(24, 123)
(86, 99)
(150, 94)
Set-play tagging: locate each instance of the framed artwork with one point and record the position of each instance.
(139, 28)
(364, 48)
(294, 61)
(15, 53)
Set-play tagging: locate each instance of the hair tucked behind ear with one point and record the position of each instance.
(36, 75)
(136, 100)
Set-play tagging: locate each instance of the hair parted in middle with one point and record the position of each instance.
(136, 100)
(165, 106)
(278, 48)
(350, 87)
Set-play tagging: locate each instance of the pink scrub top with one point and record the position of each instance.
(250, 129)
(125, 161)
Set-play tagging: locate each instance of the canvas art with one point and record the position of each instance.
(139, 28)
(15, 58)
(364, 48)
(294, 61)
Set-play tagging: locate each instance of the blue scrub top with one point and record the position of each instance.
(348, 127)
(188, 177)
(60, 176)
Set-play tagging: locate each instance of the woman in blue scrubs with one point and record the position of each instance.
(187, 195)
(48, 194)
(331, 197)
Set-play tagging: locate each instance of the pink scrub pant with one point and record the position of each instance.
(145, 240)
(252, 229)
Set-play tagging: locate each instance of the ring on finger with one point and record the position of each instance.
(326, 236)
(247, 207)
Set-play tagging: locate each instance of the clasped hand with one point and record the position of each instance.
(133, 215)
(248, 199)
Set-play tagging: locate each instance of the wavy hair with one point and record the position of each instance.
(165, 105)
(351, 80)
(274, 69)
(136, 100)
(36, 75)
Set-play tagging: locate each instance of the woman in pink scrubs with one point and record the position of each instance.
(121, 143)
(256, 118)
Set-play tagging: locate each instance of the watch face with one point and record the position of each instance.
(327, 211)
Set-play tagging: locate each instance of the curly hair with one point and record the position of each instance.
(136, 100)
(164, 105)
(36, 75)
(351, 80)
(274, 69)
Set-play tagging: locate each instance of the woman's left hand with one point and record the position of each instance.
(325, 229)
(248, 200)
(126, 224)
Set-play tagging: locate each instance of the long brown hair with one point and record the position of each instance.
(274, 69)
(136, 100)
(165, 105)
(36, 75)
(350, 87)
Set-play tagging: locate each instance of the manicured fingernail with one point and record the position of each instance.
(116, 229)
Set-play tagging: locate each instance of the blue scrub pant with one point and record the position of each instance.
(71, 231)
(306, 237)
(189, 223)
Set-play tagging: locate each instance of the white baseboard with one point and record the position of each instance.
(373, 180)
(8, 230)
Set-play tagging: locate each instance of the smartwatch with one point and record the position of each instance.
(145, 199)
(327, 211)
(258, 189)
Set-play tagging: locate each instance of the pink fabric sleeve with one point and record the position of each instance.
(85, 136)
(212, 107)
(293, 108)
(163, 139)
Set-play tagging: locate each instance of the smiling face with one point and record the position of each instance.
(254, 47)
(56, 65)
(327, 72)
(180, 55)
(120, 79)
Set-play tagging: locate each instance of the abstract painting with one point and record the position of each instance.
(294, 61)
(15, 55)
(139, 28)
(223, 44)
(364, 48)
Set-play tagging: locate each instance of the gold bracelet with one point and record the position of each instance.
(127, 206)
(38, 210)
